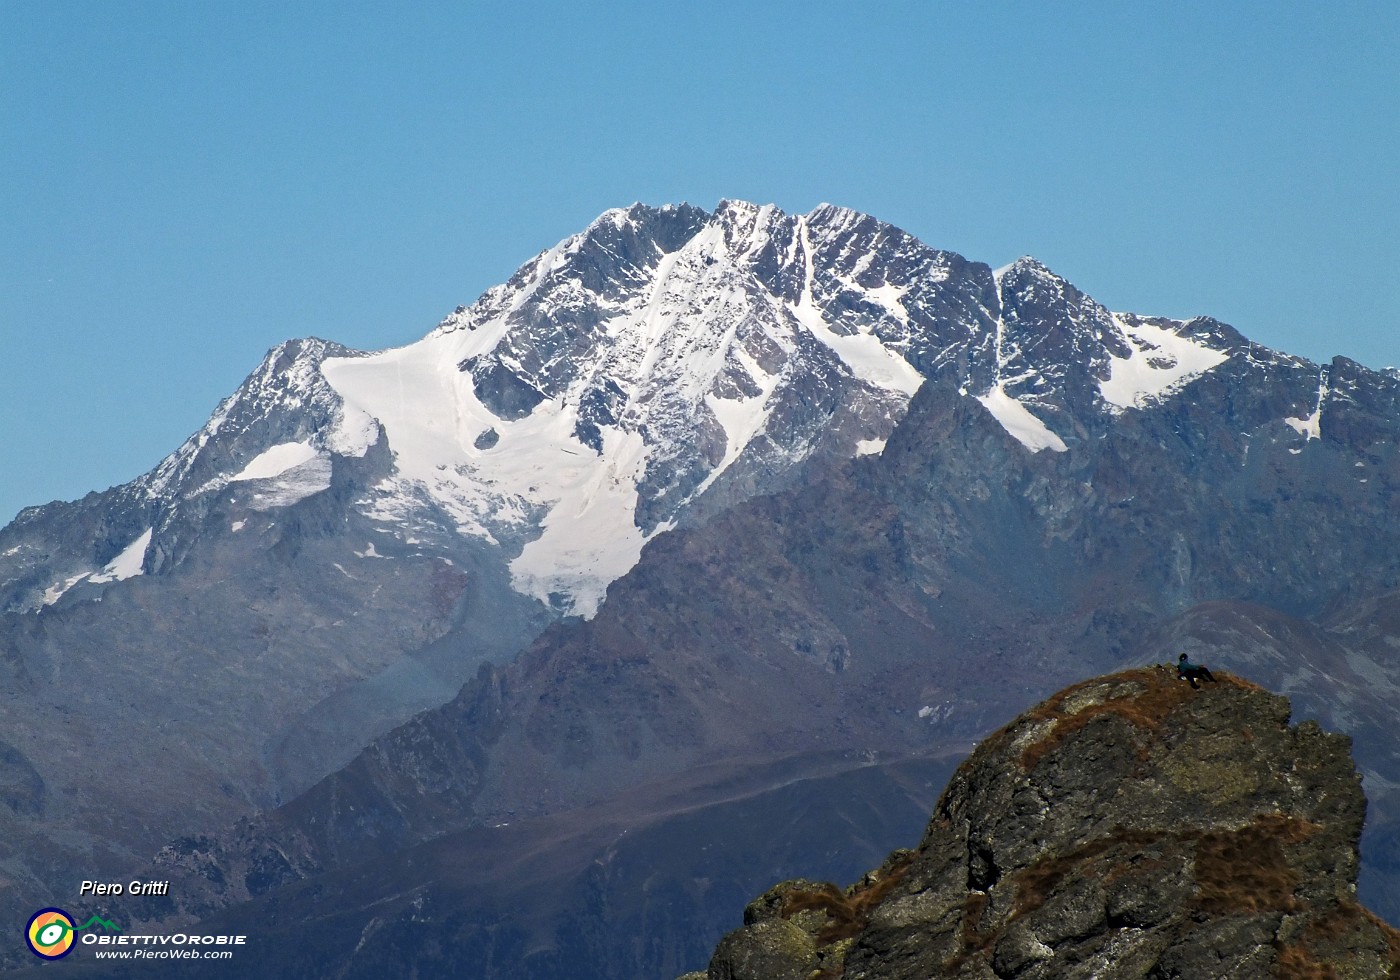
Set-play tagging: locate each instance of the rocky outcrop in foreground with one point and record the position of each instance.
(1127, 827)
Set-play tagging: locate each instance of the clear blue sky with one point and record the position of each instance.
(185, 184)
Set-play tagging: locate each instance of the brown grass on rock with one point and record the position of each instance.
(848, 911)
(1312, 954)
(1149, 695)
(1247, 870)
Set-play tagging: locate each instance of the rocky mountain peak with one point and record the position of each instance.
(647, 371)
(1028, 267)
(1128, 826)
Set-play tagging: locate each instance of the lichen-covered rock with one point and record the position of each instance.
(774, 949)
(773, 903)
(1129, 827)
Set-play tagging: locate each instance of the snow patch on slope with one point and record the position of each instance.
(282, 475)
(55, 592)
(127, 564)
(293, 485)
(1017, 419)
(354, 433)
(537, 480)
(741, 419)
(276, 461)
(590, 537)
(869, 359)
(1161, 361)
(1311, 427)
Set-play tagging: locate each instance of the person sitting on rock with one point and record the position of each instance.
(1187, 671)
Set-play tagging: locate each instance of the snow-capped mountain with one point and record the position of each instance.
(274, 439)
(661, 362)
(1070, 490)
(352, 535)
(583, 406)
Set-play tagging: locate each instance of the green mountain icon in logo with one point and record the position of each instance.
(98, 920)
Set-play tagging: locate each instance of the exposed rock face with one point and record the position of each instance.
(1127, 827)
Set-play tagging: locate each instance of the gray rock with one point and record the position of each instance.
(773, 949)
(1128, 827)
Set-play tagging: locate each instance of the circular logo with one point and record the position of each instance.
(50, 933)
